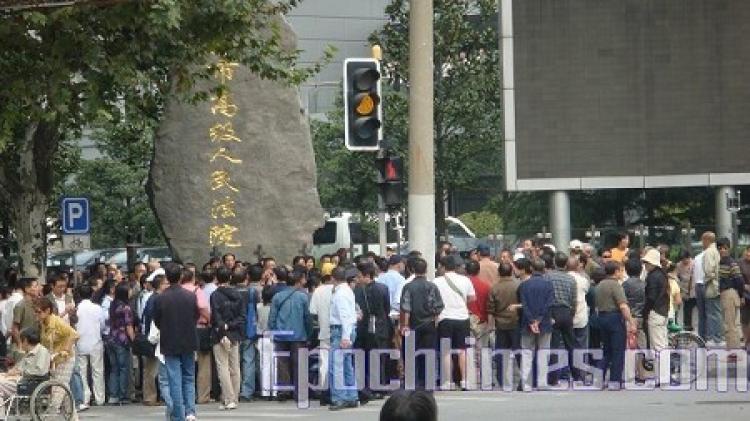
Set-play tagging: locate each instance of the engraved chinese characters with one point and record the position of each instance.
(260, 189)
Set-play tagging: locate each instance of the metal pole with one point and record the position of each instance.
(559, 219)
(421, 141)
(723, 216)
(382, 228)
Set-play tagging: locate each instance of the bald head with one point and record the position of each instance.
(708, 238)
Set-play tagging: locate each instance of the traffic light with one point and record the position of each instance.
(363, 112)
(391, 180)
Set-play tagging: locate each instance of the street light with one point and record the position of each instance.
(593, 235)
(687, 232)
(734, 204)
(641, 231)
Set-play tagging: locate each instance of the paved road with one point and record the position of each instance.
(573, 405)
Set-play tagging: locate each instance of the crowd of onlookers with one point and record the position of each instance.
(178, 335)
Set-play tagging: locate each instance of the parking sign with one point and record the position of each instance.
(75, 215)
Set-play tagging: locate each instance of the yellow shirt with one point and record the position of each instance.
(56, 333)
(619, 255)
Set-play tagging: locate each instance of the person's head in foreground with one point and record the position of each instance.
(409, 405)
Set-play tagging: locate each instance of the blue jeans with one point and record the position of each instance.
(581, 337)
(164, 388)
(714, 319)
(119, 371)
(339, 367)
(181, 375)
(76, 384)
(612, 329)
(249, 355)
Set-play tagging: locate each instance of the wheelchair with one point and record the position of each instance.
(33, 399)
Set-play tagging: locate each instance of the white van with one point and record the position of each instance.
(339, 232)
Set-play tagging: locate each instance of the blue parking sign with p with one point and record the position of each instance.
(75, 215)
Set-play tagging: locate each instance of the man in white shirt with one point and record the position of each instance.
(320, 307)
(581, 316)
(700, 293)
(343, 323)
(453, 323)
(89, 348)
(15, 298)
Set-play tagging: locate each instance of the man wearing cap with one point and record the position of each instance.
(656, 308)
(487, 268)
(395, 283)
(149, 362)
(343, 319)
(456, 292)
(374, 329)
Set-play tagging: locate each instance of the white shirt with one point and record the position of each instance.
(142, 300)
(106, 302)
(60, 302)
(154, 336)
(90, 326)
(320, 305)
(455, 304)
(7, 323)
(698, 276)
(581, 318)
(343, 310)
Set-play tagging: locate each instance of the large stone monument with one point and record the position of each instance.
(236, 172)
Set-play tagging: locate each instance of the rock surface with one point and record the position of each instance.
(276, 204)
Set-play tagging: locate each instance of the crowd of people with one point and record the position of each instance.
(232, 331)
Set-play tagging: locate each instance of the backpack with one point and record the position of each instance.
(251, 314)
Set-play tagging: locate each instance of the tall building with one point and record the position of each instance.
(343, 24)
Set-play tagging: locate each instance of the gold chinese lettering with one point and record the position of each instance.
(223, 235)
(223, 133)
(220, 180)
(224, 106)
(223, 208)
(224, 153)
(225, 70)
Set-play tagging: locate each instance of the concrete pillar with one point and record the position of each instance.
(723, 216)
(421, 137)
(559, 219)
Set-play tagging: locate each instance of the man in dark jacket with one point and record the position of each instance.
(656, 308)
(228, 324)
(421, 304)
(176, 315)
(374, 328)
(537, 296)
(290, 320)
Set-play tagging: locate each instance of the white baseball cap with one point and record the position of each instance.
(576, 245)
(154, 274)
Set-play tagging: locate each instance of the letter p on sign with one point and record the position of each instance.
(75, 215)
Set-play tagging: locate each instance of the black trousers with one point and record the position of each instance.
(425, 339)
(562, 338)
(287, 366)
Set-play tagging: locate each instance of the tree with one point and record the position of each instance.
(68, 68)
(468, 146)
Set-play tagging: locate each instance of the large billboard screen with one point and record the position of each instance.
(626, 93)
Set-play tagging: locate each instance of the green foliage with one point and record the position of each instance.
(118, 201)
(483, 223)
(467, 115)
(94, 66)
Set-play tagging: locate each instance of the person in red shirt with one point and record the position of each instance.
(478, 311)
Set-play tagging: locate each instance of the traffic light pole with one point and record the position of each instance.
(421, 141)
